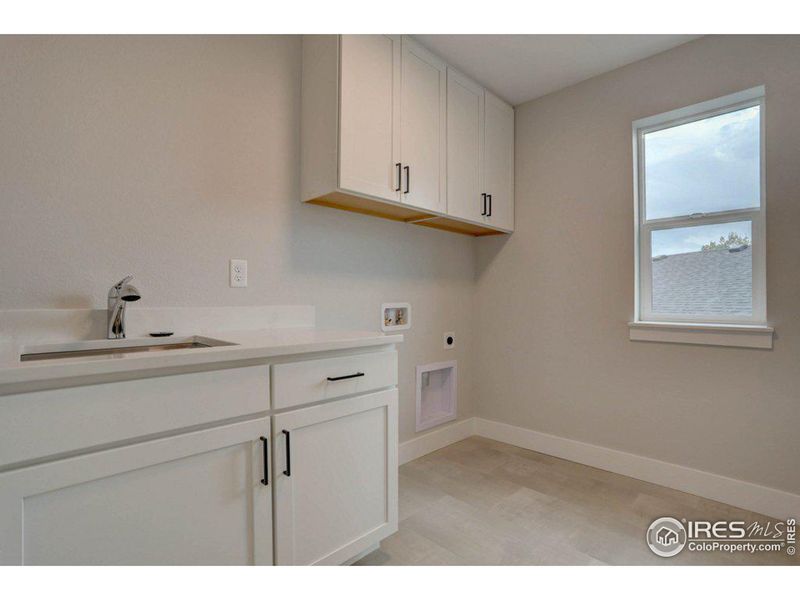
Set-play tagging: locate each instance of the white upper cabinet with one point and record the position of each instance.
(480, 154)
(423, 128)
(369, 114)
(387, 130)
(464, 147)
(498, 161)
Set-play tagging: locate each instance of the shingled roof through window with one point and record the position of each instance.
(718, 282)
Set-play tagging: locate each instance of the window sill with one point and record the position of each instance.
(709, 334)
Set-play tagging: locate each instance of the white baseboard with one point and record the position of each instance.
(743, 494)
(767, 501)
(438, 438)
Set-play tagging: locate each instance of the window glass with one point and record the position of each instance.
(703, 270)
(704, 166)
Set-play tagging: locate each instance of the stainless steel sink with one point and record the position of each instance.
(116, 348)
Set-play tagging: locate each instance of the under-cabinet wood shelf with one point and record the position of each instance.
(404, 214)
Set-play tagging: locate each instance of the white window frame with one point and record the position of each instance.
(654, 324)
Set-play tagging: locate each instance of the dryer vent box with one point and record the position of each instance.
(436, 394)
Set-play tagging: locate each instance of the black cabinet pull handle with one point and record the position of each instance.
(483, 211)
(359, 374)
(265, 481)
(489, 214)
(399, 177)
(408, 178)
(288, 471)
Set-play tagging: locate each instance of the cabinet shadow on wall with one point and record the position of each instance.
(329, 242)
(487, 250)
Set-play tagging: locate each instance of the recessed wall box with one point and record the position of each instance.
(395, 316)
(437, 399)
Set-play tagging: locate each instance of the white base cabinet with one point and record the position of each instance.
(335, 479)
(191, 499)
(196, 469)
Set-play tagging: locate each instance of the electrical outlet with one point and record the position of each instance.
(449, 340)
(238, 272)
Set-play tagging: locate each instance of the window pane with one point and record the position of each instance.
(703, 270)
(704, 166)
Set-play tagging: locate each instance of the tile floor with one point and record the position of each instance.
(481, 502)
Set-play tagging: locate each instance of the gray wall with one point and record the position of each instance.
(554, 299)
(167, 156)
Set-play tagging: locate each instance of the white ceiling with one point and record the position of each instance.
(519, 68)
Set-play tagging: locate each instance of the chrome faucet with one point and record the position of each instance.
(118, 297)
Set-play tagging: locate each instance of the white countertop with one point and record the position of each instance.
(249, 345)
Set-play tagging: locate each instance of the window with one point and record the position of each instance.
(700, 214)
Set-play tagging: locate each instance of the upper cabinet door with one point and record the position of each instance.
(498, 160)
(464, 147)
(370, 115)
(423, 128)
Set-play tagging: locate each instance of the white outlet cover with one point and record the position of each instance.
(238, 272)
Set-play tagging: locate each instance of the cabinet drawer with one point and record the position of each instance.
(314, 380)
(54, 422)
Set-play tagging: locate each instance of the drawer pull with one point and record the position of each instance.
(265, 481)
(288, 471)
(359, 374)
